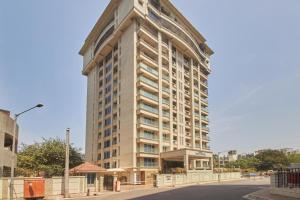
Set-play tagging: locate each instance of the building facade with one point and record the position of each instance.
(147, 98)
(6, 142)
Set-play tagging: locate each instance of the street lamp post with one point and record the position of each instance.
(14, 147)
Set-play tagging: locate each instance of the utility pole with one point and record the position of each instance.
(14, 151)
(66, 193)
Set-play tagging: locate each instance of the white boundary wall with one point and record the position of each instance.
(193, 177)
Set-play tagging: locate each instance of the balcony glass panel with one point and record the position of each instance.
(148, 108)
(148, 95)
(148, 81)
(148, 69)
(149, 122)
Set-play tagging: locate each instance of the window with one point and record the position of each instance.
(107, 132)
(149, 148)
(106, 144)
(106, 154)
(91, 178)
(108, 68)
(107, 110)
(99, 156)
(107, 165)
(107, 89)
(107, 100)
(114, 153)
(114, 141)
(107, 122)
(114, 165)
(108, 78)
(149, 162)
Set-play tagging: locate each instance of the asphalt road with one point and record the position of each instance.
(223, 191)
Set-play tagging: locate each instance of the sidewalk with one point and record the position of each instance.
(265, 194)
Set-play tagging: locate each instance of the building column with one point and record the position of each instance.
(186, 162)
(133, 177)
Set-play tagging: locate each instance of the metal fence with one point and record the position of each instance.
(289, 178)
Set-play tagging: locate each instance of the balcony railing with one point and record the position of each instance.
(148, 122)
(167, 90)
(167, 78)
(166, 126)
(148, 95)
(148, 69)
(205, 128)
(148, 81)
(205, 118)
(147, 150)
(149, 57)
(165, 101)
(205, 137)
(204, 109)
(147, 166)
(148, 136)
(166, 114)
(148, 108)
(206, 147)
(150, 31)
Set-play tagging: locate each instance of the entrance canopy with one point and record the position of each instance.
(186, 156)
(178, 155)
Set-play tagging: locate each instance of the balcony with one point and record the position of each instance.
(205, 110)
(166, 126)
(204, 93)
(148, 59)
(165, 89)
(204, 118)
(148, 95)
(166, 114)
(204, 83)
(166, 78)
(198, 146)
(148, 122)
(205, 128)
(147, 165)
(152, 34)
(147, 136)
(165, 101)
(204, 101)
(148, 82)
(148, 150)
(204, 137)
(143, 67)
(205, 147)
(148, 108)
(146, 46)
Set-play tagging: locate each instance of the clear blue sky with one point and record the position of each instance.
(254, 87)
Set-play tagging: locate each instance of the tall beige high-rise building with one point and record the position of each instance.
(147, 70)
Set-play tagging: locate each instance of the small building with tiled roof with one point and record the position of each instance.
(85, 168)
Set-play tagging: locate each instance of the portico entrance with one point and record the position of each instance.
(185, 159)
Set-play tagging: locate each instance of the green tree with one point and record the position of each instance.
(46, 157)
(294, 158)
(270, 159)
